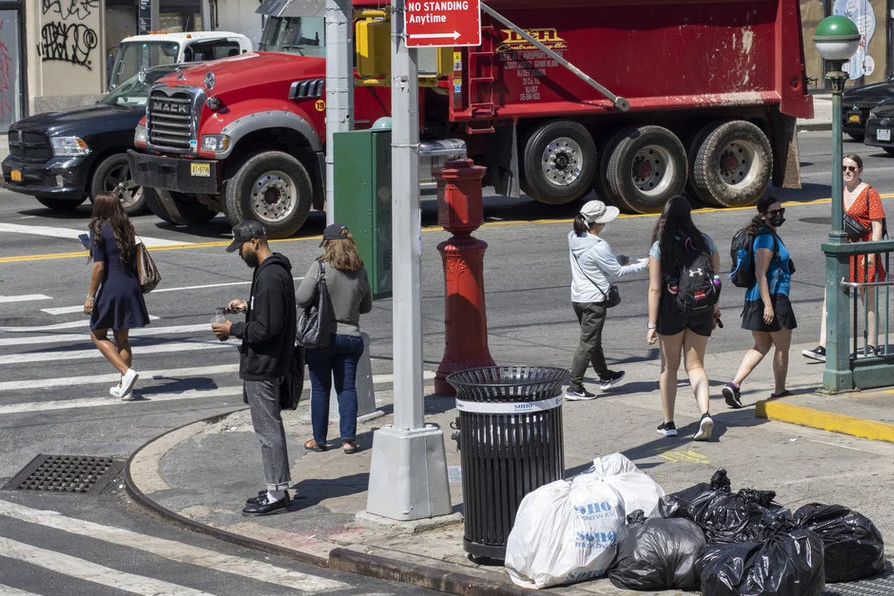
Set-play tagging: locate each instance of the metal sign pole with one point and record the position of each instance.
(339, 85)
(408, 471)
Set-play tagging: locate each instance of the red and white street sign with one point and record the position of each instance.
(437, 23)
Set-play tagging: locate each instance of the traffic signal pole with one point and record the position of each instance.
(339, 84)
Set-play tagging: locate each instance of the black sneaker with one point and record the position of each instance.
(611, 378)
(705, 426)
(264, 506)
(578, 394)
(817, 353)
(732, 396)
(667, 429)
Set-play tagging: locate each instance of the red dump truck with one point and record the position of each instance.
(702, 97)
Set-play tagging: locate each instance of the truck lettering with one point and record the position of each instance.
(170, 107)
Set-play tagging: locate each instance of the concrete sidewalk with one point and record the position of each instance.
(200, 475)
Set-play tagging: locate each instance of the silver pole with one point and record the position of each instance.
(339, 85)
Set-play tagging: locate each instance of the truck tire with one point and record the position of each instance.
(59, 204)
(731, 162)
(113, 171)
(176, 208)
(559, 163)
(272, 188)
(646, 167)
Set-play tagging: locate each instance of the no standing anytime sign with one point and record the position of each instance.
(434, 23)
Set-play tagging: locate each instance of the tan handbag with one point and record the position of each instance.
(147, 272)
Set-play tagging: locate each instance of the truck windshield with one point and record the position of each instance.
(296, 35)
(134, 91)
(134, 56)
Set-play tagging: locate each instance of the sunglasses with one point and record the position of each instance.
(849, 168)
(775, 211)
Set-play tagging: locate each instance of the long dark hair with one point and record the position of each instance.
(581, 227)
(342, 254)
(107, 209)
(678, 238)
(757, 222)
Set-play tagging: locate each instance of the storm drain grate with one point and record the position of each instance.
(879, 586)
(66, 474)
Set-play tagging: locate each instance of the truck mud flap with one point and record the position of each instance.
(786, 158)
(180, 175)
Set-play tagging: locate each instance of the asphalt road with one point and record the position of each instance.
(53, 385)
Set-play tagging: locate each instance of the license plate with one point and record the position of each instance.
(202, 170)
(15, 176)
(883, 134)
(853, 118)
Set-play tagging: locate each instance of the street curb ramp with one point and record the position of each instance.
(784, 411)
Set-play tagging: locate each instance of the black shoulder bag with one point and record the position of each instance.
(610, 299)
(315, 321)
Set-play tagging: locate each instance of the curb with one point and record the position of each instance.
(781, 411)
(814, 126)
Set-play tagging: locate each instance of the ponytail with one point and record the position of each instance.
(580, 225)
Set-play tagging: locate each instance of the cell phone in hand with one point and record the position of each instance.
(85, 240)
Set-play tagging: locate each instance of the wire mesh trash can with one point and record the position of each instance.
(510, 441)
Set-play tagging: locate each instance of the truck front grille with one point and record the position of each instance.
(170, 120)
(30, 146)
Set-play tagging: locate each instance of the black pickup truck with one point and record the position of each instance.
(64, 158)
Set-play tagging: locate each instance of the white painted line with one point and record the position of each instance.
(85, 337)
(63, 310)
(10, 591)
(73, 234)
(139, 351)
(145, 375)
(68, 325)
(24, 298)
(173, 550)
(232, 283)
(89, 572)
(146, 397)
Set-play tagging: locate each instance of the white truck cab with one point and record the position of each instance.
(138, 52)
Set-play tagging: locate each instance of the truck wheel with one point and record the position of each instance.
(273, 188)
(113, 175)
(59, 204)
(177, 208)
(559, 163)
(646, 167)
(731, 163)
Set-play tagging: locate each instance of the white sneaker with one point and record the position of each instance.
(115, 391)
(127, 382)
(705, 427)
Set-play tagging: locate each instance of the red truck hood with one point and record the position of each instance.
(250, 69)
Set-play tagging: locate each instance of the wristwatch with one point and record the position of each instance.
(653, 326)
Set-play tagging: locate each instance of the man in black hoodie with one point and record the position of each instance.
(268, 340)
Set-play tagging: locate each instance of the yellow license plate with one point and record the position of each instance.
(853, 117)
(15, 176)
(200, 169)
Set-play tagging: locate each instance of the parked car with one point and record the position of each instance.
(64, 158)
(879, 126)
(858, 101)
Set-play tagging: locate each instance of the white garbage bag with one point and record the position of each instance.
(565, 532)
(636, 488)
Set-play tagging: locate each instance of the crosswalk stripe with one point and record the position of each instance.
(90, 572)
(99, 402)
(23, 298)
(172, 550)
(55, 326)
(141, 351)
(73, 234)
(85, 337)
(169, 373)
(10, 591)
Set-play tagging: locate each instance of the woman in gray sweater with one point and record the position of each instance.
(350, 294)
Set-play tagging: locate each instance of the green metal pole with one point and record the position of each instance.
(837, 375)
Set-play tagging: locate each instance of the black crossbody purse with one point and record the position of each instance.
(610, 299)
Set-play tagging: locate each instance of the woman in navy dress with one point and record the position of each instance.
(114, 300)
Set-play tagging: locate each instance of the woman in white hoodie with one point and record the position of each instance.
(594, 268)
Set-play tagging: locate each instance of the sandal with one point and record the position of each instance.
(312, 445)
(349, 447)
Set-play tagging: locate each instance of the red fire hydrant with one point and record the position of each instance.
(460, 212)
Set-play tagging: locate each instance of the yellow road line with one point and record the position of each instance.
(839, 423)
(490, 224)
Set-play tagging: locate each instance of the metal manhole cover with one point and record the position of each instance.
(878, 586)
(66, 473)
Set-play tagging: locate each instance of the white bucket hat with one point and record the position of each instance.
(598, 212)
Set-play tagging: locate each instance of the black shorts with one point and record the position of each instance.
(753, 314)
(671, 321)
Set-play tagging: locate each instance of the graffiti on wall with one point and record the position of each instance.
(860, 12)
(65, 37)
(8, 76)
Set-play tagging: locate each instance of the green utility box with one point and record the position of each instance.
(362, 195)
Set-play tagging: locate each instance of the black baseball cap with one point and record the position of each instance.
(334, 232)
(245, 231)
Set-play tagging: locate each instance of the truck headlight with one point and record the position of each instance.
(69, 146)
(141, 134)
(215, 143)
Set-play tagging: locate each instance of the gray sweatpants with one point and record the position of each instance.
(263, 403)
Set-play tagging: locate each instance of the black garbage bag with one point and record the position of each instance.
(658, 554)
(675, 505)
(748, 515)
(786, 564)
(853, 545)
